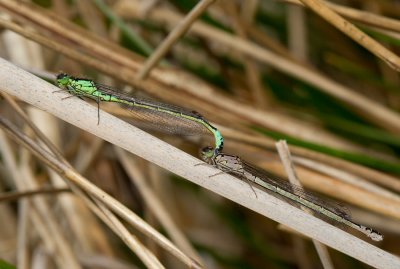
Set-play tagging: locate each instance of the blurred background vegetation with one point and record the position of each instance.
(261, 70)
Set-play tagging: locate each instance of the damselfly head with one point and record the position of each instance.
(63, 79)
(207, 154)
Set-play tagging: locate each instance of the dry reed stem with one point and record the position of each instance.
(286, 159)
(297, 33)
(389, 33)
(265, 41)
(38, 93)
(84, 161)
(24, 52)
(75, 179)
(132, 242)
(143, 253)
(48, 216)
(378, 21)
(173, 37)
(259, 96)
(346, 177)
(41, 215)
(326, 184)
(154, 204)
(353, 32)
(23, 234)
(17, 195)
(74, 34)
(365, 107)
(118, 228)
(345, 192)
(372, 175)
(270, 120)
(69, 204)
(300, 249)
(92, 17)
(206, 98)
(39, 223)
(31, 125)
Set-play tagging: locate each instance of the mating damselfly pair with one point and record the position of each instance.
(214, 156)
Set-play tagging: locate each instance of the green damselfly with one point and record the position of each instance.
(101, 93)
(234, 165)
